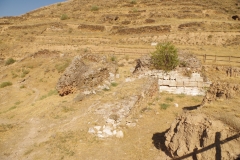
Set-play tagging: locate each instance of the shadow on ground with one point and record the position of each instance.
(189, 108)
(159, 142)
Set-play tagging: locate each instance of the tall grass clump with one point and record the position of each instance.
(9, 61)
(5, 84)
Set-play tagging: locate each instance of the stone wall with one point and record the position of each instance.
(176, 83)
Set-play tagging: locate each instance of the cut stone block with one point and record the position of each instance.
(160, 82)
(166, 77)
(199, 79)
(163, 88)
(196, 75)
(172, 83)
(179, 83)
(200, 84)
(190, 84)
(180, 90)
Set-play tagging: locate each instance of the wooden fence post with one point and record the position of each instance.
(205, 58)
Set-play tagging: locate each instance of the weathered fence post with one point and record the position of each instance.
(205, 58)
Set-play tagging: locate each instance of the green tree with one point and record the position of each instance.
(165, 57)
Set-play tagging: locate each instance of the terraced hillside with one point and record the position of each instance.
(195, 25)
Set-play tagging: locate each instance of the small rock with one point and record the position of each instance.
(100, 136)
(91, 130)
(108, 131)
(97, 128)
(175, 105)
(119, 134)
(110, 121)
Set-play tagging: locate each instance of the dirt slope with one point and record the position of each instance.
(37, 123)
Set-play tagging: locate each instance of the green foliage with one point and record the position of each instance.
(169, 99)
(113, 58)
(133, 2)
(10, 61)
(114, 84)
(165, 57)
(164, 106)
(62, 66)
(94, 8)
(135, 10)
(24, 73)
(22, 86)
(106, 89)
(50, 93)
(5, 84)
(64, 17)
(14, 75)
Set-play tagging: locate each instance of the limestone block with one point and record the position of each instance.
(180, 90)
(196, 75)
(172, 77)
(171, 89)
(165, 82)
(172, 83)
(199, 79)
(166, 77)
(160, 82)
(179, 83)
(160, 75)
(163, 88)
(200, 84)
(190, 84)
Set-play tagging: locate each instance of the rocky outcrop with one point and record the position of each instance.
(196, 136)
(85, 72)
(220, 90)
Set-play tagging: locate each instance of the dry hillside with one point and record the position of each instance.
(37, 123)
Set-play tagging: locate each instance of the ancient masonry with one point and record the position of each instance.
(174, 82)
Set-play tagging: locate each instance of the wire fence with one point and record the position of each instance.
(205, 58)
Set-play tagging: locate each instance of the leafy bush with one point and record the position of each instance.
(164, 106)
(114, 84)
(94, 8)
(133, 2)
(24, 73)
(165, 57)
(5, 84)
(10, 61)
(64, 17)
(113, 58)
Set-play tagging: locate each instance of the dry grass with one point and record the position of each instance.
(65, 135)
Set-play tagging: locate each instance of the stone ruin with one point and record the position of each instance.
(85, 73)
(197, 135)
(220, 90)
(175, 81)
